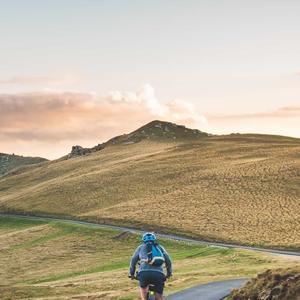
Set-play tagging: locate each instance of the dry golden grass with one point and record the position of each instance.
(41, 260)
(10, 163)
(283, 284)
(237, 188)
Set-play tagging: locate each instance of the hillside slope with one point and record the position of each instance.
(283, 284)
(236, 188)
(56, 260)
(9, 162)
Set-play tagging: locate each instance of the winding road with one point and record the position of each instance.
(210, 291)
(162, 235)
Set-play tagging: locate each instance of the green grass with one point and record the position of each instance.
(39, 241)
(108, 267)
(18, 223)
(63, 260)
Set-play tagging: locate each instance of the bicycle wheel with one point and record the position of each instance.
(151, 295)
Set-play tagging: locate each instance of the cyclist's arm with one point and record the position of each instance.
(168, 262)
(134, 261)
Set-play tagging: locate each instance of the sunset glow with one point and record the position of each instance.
(81, 72)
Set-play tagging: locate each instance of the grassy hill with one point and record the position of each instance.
(55, 260)
(154, 131)
(241, 188)
(10, 162)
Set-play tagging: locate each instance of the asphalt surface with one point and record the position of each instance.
(210, 291)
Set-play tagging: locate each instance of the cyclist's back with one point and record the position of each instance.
(150, 271)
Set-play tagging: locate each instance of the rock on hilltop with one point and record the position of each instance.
(158, 130)
(155, 130)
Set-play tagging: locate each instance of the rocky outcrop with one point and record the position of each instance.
(79, 151)
(155, 130)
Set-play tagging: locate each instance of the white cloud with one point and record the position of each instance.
(181, 110)
(176, 110)
(147, 96)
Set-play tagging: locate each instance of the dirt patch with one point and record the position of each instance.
(123, 235)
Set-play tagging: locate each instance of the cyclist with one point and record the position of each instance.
(151, 256)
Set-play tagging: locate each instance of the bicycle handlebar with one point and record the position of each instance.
(135, 277)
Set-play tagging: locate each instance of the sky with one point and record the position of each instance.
(82, 71)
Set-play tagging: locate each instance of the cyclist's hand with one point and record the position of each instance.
(168, 276)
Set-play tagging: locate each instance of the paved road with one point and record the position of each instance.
(163, 235)
(209, 291)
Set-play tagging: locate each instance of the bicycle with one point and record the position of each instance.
(151, 292)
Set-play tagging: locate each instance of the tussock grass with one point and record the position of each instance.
(238, 188)
(54, 260)
(283, 284)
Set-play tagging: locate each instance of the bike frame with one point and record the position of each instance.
(151, 292)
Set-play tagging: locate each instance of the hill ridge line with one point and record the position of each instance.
(139, 231)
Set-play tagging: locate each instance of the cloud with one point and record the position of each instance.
(147, 95)
(31, 80)
(175, 110)
(282, 112)
(57, 117)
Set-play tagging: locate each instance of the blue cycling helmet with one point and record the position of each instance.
(148, 237)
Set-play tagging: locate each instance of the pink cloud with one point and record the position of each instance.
(72, 118)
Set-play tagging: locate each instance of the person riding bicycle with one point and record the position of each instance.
(151, 257)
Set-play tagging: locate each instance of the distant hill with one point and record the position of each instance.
(154, 131)
(9, 162)
(239, 188)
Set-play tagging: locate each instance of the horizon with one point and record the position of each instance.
(156, 120)
(79, 73)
